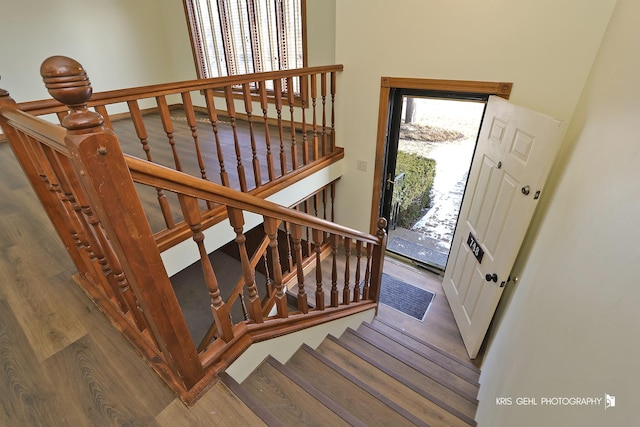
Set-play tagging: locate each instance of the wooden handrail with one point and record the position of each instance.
(47, 106)
(159, 176)
(37, 128)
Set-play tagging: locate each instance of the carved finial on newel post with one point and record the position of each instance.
(68, 83)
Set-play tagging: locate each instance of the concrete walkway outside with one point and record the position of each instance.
(428, 241)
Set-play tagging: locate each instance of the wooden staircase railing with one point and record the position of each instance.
(90, 190)
(197, 127)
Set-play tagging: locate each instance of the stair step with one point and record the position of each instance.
(461, 368)
(317, 394)
(419, 362)
(367, 404)
(413, 400)
(249, 400)
(460, 405)
(216, 406)
(286, 402)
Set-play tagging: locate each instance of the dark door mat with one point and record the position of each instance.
(418, 252)
(405, 297)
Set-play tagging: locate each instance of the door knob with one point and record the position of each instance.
(491, 277)
(526, 190)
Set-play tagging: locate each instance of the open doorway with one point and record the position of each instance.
(394, 93)
(432, 137)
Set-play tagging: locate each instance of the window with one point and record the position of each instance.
(246, 36)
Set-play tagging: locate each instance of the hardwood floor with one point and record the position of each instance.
(61, 362)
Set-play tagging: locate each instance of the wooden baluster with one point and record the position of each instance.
(377, 261)
(83, 220)
(317, 245)
(269, 281)
(333, 198)
(309, 246)
(323, 95)
(236, 218)
(248, 107)
(243, 306)
(304, 95)
(102, 110)
(306, 210)
(288, 238)
(231, 109)
(332, 195)
(45, 162)
(324, 203)
(296, 235)
(334, 270)
(333, 112)
(346, 291)
(314, 96)
(294, 146)
(277, 88)
(271, 228)
(167, 125)
(367, 273)
(187, 105)
(192, 216)
(141, 131)
(356, 285)
(190, 114)
(213, 119)
(262, 89)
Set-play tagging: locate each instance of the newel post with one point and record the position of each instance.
(377, 262)
(101, 168)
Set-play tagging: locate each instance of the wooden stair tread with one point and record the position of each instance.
(317, 394)
(419, 362)
(368, 405)
(401, 393)
(409, 375)
(219, 404)
(250, 400)
(287, 402)
(461, 368)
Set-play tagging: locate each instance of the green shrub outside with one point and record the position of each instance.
(416, 194)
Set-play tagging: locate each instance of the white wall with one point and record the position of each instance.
(570, 327)
(121, 43)
(321, 32)
(545, 47)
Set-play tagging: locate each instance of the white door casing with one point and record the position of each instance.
(513, 157)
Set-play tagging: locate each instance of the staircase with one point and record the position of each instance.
(375, 375)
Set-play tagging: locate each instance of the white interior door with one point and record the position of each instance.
(512, 160)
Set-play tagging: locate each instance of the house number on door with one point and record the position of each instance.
(475, 248)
